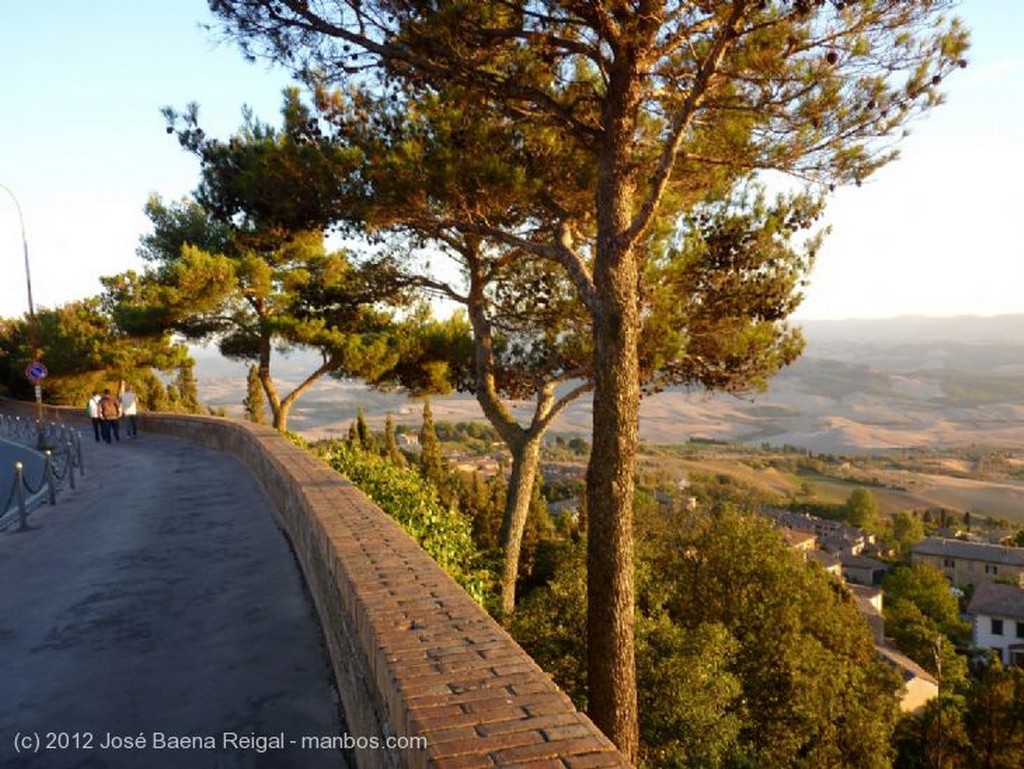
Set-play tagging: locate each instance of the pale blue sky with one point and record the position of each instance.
(82, 145)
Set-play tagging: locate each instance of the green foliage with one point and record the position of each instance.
(255, 401)
(599, 123)
(551, 625)
(994, 718)
(245, 263)
(243, 179)
(862, 510)
(935, 738)
(981, 726)
(907, 529)
(746, 655)
(923, 618)
(927, 588)
(431, 463)
(443, 532)
(695, 719)
(391, 450)
(484, 501)
(716, 300)
(187, 390)
(429, 355)
(85, 350)
(478, 436)
(367, 441)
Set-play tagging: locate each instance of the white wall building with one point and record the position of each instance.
(997, 614)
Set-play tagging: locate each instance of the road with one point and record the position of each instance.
(159, 600)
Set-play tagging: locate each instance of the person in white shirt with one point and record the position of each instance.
(93, 408)
(130, 407)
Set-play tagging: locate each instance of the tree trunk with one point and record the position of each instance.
(611, 668)
(611, 671)
(279, 415)
(525, 460)
(284, 405)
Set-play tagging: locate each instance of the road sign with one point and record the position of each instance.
(36, 371)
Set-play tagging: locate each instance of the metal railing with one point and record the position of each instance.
(58, 448)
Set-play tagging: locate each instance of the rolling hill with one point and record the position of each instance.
(861, 386)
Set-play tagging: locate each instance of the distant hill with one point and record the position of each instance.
(861, 385)
(967, 329)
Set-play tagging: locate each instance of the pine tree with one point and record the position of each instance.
(640, 111)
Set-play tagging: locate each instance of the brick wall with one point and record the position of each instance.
(413, 655)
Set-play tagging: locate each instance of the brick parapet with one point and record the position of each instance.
(413, 655)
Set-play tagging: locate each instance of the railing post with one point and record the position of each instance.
(79, 456)
(69, 454)
(19, 488)
(48, 474)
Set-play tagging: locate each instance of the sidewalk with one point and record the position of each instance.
(155, 617)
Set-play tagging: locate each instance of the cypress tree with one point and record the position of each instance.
(255, 400)
(391, 444)
(365, 434)
(431, 461)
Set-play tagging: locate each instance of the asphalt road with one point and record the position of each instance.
(155, 617)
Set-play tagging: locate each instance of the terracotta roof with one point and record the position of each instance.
(865, 597)
(796, 538)
(907, 667)
(828, 560)
(861, 562)
(995, 599)
(973, 551)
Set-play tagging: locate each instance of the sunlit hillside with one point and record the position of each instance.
(861, 386)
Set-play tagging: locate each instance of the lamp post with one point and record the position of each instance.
(33, 323)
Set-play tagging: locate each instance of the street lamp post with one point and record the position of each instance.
(33, 323)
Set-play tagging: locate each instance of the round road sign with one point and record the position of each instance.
(36, 371)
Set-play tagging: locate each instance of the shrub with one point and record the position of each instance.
(442, 531)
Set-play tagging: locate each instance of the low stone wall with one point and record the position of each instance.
(413, 655)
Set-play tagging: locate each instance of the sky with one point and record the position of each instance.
(939, 232)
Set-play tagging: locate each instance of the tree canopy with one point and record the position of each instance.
(747, 654)
(656, 104)
(85, 350)
(245, 264)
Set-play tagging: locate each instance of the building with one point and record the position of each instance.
(409, 441)
(869, 604)
(828, 561)
(997, 618)
(833, 536)
(862, 569)
(919, 686)
(801, 541)
(970, 563)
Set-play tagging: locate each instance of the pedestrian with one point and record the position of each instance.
(130, 407)
(92, 407)
(110, 413)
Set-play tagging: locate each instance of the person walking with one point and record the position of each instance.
(93, 409)
(130, 407)
(110, 414)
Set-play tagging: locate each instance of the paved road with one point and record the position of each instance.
(159, 599)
